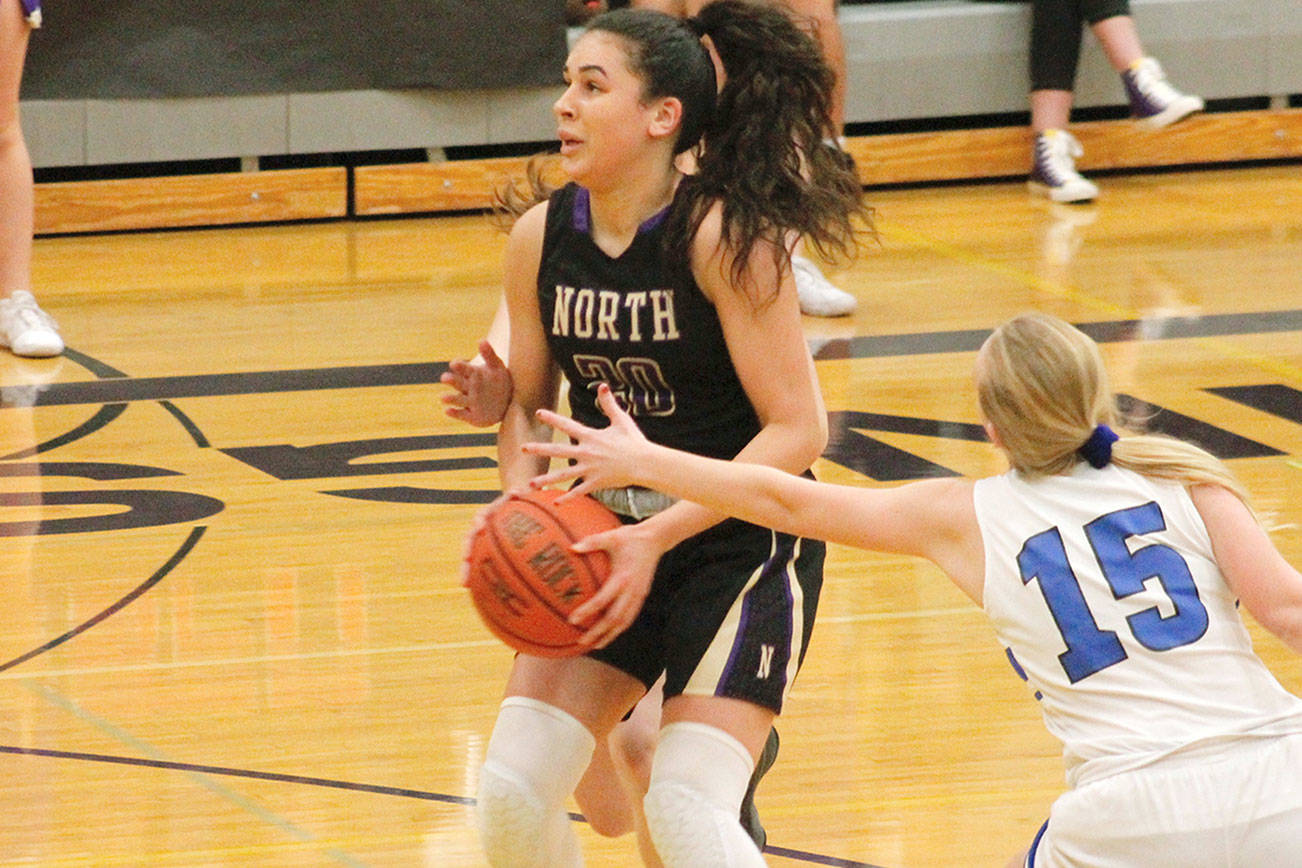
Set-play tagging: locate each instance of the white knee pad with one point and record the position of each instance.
(698, 779)
(535, 758)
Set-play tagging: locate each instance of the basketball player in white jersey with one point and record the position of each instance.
(1110, 569)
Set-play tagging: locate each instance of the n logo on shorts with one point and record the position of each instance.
(765, 661)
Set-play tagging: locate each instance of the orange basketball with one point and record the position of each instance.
(523, 577)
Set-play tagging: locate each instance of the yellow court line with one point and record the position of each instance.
(245, 661)
(1025, 278)
(1275, 366)
(1064, 291)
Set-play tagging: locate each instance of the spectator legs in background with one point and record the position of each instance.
(1053, 169)
(1154, 104)
(24, 327)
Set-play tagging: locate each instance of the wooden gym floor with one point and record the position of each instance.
(230, 626)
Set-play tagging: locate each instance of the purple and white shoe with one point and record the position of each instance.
(1154, 103)
(1053, 171)
(32, 12)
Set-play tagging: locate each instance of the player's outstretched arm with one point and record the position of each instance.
(1267, 585)
(610, 457)
(932, 519)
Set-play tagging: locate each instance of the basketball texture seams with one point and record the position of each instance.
(523, 577)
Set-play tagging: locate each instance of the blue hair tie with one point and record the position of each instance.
(1098, 449)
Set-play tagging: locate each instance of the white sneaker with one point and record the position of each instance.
(818, 297)
(1053, 172)
(1154, 103)
(26, 329)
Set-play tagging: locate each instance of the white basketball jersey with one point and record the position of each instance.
(1103, 587)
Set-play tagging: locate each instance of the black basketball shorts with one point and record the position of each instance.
(730, 613)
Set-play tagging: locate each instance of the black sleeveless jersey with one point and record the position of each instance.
(652, 336)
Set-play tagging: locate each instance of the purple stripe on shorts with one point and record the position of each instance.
(738, 646)
(780, 562)
(32, 9)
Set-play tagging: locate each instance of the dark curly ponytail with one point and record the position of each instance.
(764, 156)
(762, 153)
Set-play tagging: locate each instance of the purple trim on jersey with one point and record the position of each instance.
(654, 220)
(581, 218)
(31, 7)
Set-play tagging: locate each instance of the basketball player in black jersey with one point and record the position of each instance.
(678, 294)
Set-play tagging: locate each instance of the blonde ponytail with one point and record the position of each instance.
(1161, 457)
(1042, 385)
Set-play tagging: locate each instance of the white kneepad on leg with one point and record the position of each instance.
(698, 779)
(535, 758)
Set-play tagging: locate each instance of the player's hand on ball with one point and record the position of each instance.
(604, 458)
(526, 578)
(634, 554)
